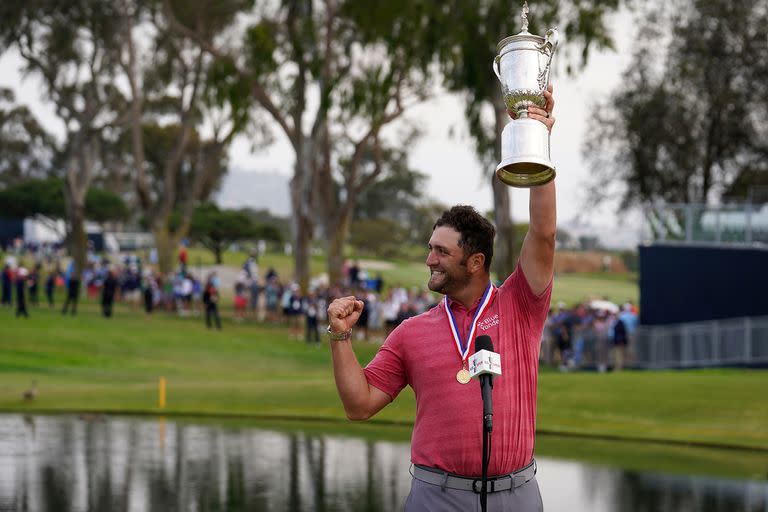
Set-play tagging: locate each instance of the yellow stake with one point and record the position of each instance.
(161, 398)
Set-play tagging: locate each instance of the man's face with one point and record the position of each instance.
(446, 262)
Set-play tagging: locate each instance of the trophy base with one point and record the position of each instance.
(525, 174)
(525, 154)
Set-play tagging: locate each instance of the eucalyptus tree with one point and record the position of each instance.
(184, 109)
(331, 93)
(27, 149)
(216, 229)
(462, 36)
(45, 197)
(71, 48)
(690, 118)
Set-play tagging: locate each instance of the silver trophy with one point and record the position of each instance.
(522, 66)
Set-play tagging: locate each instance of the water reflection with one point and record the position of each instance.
(596, 489)
(65, 464)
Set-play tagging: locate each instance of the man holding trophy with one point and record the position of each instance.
(430, 352)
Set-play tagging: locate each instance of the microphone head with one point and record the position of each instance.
(483, 342)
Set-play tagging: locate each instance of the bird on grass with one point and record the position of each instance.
(31, 393)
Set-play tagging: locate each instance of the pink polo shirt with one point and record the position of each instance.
(421, 353)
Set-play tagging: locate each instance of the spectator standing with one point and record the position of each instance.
(149, 287)
(73, 291)
(362, 322)
(407, 310)
(562, 326)
(132, 286)
(34, 285)
(197, 295)
(311, 312)
(240, 301)
(7, 285)
(373, 306)
(389, 310)
(630, 318)
(251, 266)
(183, 258)
(211, 302)
(293, 310)
(601, 326)
(108, 291)
(21, 289)
(50, 286)
(271, 295)
(354, 275)
(184, 293)
(620, 339)
(254, 291)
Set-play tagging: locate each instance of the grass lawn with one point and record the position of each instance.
(90, 363)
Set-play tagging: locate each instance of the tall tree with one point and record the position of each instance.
(26, 147)
(396, 194)
(71, 47)
(331, 94)
(463, 35)
(690, 118)
(215, 228)
(45, 197)
(176, 91)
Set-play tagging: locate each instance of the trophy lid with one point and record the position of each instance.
(523, 35)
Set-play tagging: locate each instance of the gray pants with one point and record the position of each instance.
(425, 497)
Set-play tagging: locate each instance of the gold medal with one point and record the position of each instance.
(463, 376)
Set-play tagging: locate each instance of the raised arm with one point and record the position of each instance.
(537, 257)
(360, 399)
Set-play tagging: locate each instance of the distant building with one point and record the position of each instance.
(40, 230)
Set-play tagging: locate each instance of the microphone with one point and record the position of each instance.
(484, 364)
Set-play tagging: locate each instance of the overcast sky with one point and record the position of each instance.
(455, 174)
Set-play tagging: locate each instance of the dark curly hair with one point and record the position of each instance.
(477, 233)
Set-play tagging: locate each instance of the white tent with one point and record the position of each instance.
(604, 305)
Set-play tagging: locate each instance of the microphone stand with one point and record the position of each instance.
(487, 429)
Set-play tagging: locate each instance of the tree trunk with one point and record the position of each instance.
(301, 251)
(165, 243)
(505, 259)
(302, 232)
(78, 239)
(217, 253)
(302, 203)
(337, 237)
(80, 169)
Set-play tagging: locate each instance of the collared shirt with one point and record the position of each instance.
(421, 353)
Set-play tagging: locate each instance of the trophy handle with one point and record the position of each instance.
(548, 48)
(497, 66)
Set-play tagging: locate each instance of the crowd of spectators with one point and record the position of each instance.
(595, 334)
(272, 299)
(256, 297)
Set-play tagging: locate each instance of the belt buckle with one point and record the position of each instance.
(477, 485)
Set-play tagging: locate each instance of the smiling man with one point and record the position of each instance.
(429, 353)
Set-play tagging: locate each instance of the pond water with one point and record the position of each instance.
(116, 464)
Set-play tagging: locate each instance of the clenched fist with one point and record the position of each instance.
(344, 313)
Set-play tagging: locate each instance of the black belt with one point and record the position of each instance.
(463, 483)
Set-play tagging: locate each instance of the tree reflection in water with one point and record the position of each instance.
(68, 464)
(646, 493)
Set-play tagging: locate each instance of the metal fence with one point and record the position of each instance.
(737, 341)
(738, 224)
